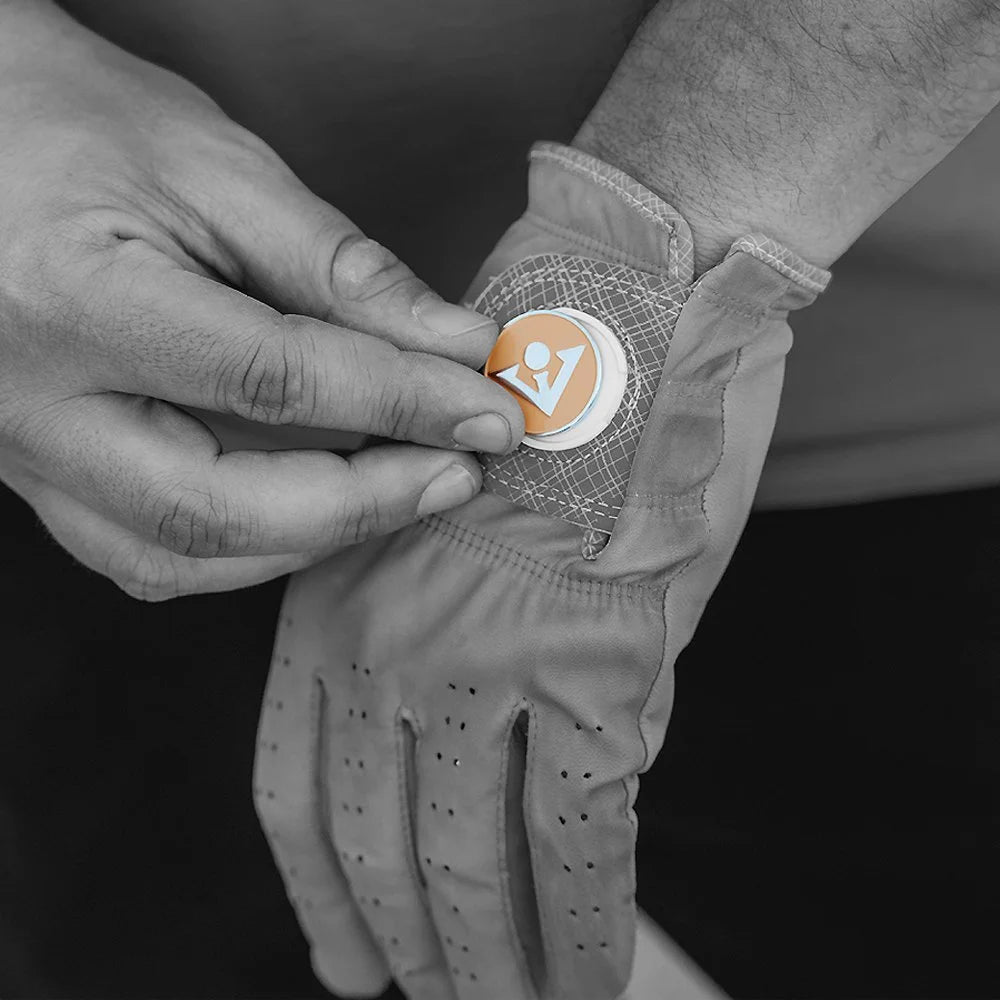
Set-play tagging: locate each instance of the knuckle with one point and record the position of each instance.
(363, 269)
(361, 517)
(397, 409)
(194, 522)
(36, 431)
(43, 274)
(271, 382)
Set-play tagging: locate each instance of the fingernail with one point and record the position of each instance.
(447, 320)
(453, 486)
(487, 432)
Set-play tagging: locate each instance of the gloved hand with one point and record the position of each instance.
(457, 714)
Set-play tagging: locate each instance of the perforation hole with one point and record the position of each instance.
(580, 947)
(587, 774)
(434, 806)
(462, 726)
(600, 729)
(350, 713)
(354, 666)
(359, 810)
(583, 817)
(345, 807)
(596, 909)
(452, 686)
(368, 672)
(438, 755)
(572, 913)
(361, 765)
(590, 864)
(472, 691)
(447, 720)
(394, 940)
(564, 774)
(451, 812)
(456, 762)
(566, 868)
(562, 820)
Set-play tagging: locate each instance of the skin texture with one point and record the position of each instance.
(804, 119)
(154, 255)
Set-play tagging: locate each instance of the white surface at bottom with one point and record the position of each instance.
(663, 972)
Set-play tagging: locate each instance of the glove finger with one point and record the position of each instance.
(478, 892)
(289, 795)
(369, 753)
(578, 810)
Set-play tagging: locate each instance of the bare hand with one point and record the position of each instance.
(141, 234)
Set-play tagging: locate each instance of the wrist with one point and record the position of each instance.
(713, 215)
(805, 126)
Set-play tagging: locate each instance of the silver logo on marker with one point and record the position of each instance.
(536, 357)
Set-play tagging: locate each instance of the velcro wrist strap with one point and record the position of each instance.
(586, 485)
(595, 241)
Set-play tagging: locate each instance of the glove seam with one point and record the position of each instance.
(705, 548)
(578, 162)
(758, 245)
(507, 557)
(575, 166)
(737, 307)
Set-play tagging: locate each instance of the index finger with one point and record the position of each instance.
(171, 334)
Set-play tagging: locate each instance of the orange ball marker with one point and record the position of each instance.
(551, 365)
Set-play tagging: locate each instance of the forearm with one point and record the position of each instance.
(25, 25)
(804, 119)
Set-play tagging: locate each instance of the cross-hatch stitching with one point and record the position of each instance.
(783, 260)
(587, 485)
